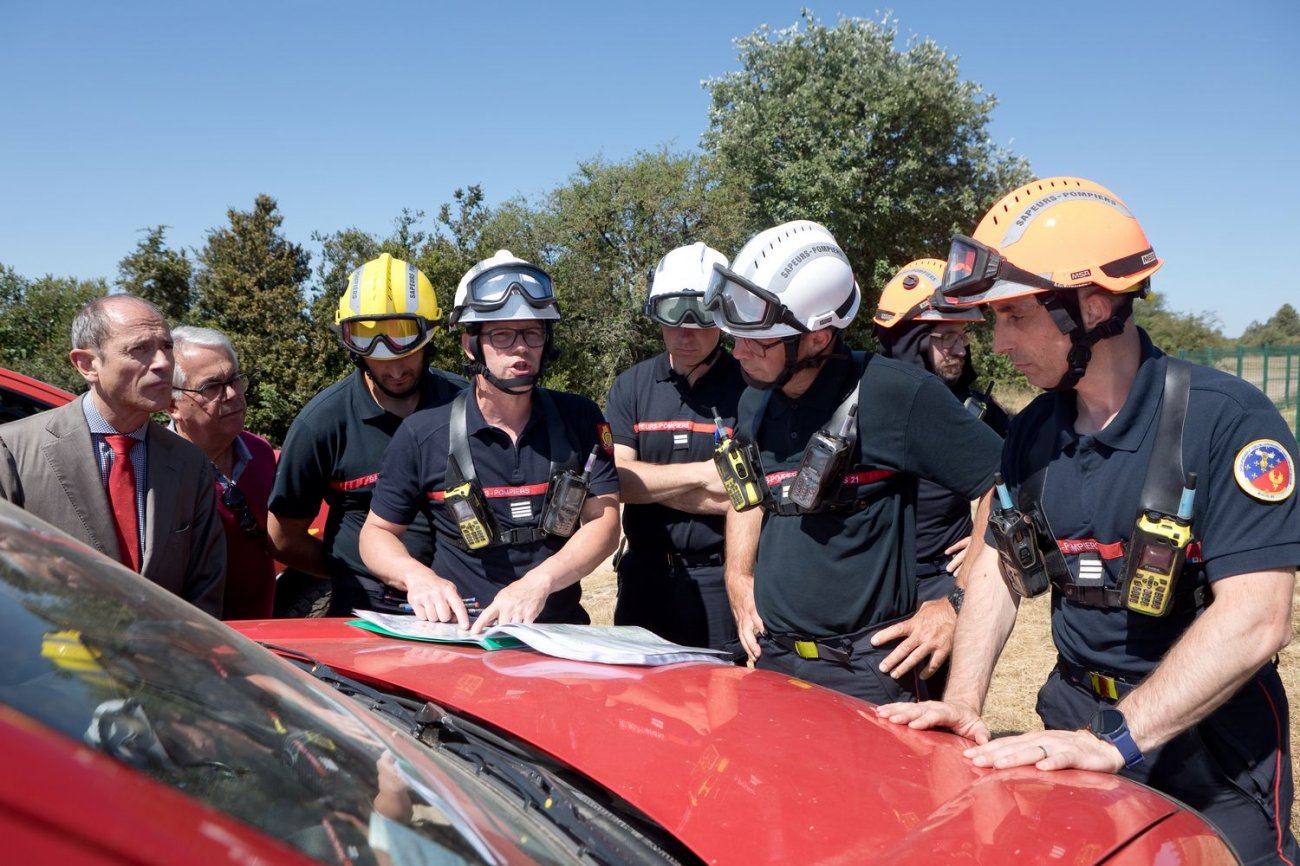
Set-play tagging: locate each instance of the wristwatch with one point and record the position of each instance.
(1109, 725)
(956, 597)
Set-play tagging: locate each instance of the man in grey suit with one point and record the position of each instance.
(64, 465)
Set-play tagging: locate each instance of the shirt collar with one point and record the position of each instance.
(100, 427)
(833, 381)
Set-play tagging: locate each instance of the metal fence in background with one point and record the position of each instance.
(1275, 370)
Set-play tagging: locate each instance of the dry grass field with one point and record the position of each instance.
(1025, 663)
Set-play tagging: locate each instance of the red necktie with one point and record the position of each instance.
(121, 496)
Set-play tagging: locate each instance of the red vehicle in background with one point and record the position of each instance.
(21, 396)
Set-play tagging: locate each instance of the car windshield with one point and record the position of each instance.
(117, 664)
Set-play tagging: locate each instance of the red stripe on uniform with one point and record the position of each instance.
(500, 492)
(1113, 550)
(852, 479)
(355, 483)
(676, 427)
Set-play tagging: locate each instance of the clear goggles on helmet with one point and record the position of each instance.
(974, 268)
(675, 309)
(491, 289)
(744, 306)
(399, 334)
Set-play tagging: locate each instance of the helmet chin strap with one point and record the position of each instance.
(792, 364)
(708, 359)
(1064, 310)
(515, 386)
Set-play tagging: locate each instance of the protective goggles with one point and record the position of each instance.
(491, 289)
(743, 306)
(675, 309)
(973, 269)
(399, 334)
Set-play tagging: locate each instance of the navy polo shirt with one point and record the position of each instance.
(333, 452)
(514, 475)
(1094, 484)
(837, 572)
(668, 420)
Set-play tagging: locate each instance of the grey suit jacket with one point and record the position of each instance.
(48, 467)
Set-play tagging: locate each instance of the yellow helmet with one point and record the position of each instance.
(388, 310)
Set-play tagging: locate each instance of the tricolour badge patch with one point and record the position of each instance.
(1264, 470)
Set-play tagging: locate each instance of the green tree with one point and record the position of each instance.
(36, 325)
(604, 231)
(159, 274)
(1281, 329)
(1177, 332)
(887, 148)
(251, 284)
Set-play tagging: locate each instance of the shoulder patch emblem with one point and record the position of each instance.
(606, 438)
(1264, 470)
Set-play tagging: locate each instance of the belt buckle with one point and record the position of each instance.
(806, 649)
(1103, 686)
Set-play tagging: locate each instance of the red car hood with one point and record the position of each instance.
(747, 766)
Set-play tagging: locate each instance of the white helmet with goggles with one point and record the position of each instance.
(502, 288)
(387, 311)
(789, 280)
(677, 286)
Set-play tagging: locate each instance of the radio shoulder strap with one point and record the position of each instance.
(1163, 487)
(459, 463)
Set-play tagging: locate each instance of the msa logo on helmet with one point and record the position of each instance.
(1078, 275)
(809, 252)
(1148, 257)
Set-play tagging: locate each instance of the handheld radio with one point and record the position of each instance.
(739, 468)
(1023, 568)
(821, 469)
(469, 510)
(567, 495)
(1156, 553)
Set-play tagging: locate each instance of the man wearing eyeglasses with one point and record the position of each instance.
(663, 413)
(208, 409)
(102, 471)
(517, 479)
(333, 451)
(915, 330)
(828, 561)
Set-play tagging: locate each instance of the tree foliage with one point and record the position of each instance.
(1177, 332)
(1281, 329)
(159, 274)
(36, 325)
(251, 285)
(887, 148)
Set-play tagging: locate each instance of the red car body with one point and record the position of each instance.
(746, 767)
(22, 395)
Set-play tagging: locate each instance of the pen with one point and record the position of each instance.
(471, 606)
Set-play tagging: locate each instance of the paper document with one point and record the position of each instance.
(616, 644)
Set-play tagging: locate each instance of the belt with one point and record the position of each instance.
(693, 560)
(837, 648)
(1107, 686)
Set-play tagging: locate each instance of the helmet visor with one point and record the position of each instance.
(744, 306)
(676, 309)
(977, 274)
(399, 334)
(491, 289)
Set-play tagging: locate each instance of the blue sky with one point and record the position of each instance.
(119, 116)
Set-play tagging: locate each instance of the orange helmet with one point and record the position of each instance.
(1052, 234)
(907, 297)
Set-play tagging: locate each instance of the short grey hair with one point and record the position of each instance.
(190, 335)
(90, 327)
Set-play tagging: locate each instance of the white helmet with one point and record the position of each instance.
(502, 288)
(785, 281)
(677, 287)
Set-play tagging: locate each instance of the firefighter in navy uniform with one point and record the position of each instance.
(519, 480)
(911, 328)
(1155, 500)
(664, 414)
(386, 319)
(841, 438)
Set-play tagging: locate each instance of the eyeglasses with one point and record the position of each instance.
(238, 506)
(504, 338)
(399, 334)
(760, 347)
(216, 390)
(950, 340)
